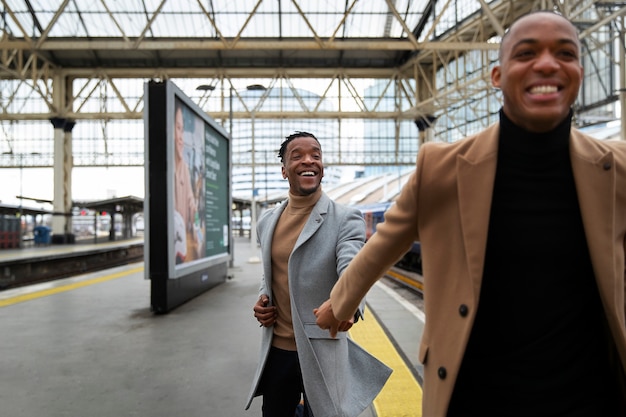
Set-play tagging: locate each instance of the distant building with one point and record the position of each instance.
(380, 137)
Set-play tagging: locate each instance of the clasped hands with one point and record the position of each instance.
(327, 321)
(266, 316)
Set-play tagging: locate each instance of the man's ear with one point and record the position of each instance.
(282, 169)
(495, 76)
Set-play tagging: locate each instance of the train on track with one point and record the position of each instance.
(408, 270)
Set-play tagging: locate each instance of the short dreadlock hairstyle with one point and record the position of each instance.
(294, 135)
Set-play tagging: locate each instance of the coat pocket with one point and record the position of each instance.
(313, 331)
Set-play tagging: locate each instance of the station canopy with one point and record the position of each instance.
(218, 33)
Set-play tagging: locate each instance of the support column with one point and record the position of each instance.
(62, 202)
(112, 226)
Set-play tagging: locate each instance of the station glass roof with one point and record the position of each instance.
(212, 19)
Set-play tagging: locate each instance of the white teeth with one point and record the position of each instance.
(308, 174)
(544, 89)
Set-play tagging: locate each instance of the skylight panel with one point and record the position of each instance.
(131, 6)
(367, 19)
(187, 24)
(132, 23)
(265, 23)
(293, 24)
(409, 10)
(324, 16)
(11, 28)
(411, 20)
(230, 17)
(188, 18)
(33, 27)
(323, 6)
(68, 24)
(37, 5)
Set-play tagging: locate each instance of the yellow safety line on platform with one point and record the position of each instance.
(410, 282)
(402, 395)
(68, 287)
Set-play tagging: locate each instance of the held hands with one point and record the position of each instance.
(327, 321)
(264, 314)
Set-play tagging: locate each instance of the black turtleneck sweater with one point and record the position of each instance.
(538, 346)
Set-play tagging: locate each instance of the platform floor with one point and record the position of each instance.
(48, 251)
(90, 346)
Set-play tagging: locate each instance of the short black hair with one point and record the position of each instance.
(534, 12)
(294, 135)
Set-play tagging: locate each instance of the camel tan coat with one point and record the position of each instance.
(445, 205)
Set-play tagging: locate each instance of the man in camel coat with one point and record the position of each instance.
(523, 235)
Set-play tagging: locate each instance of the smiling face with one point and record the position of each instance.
(303, 166)
(539, 72)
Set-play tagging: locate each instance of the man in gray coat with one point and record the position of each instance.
(306, 243)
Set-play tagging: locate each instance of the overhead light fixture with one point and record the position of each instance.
(256, 87)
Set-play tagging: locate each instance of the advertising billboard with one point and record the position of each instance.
(188, 196)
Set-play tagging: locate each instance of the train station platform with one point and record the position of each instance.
(90, 346)
(38, 263)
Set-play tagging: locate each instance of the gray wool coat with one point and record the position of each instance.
(340, 378)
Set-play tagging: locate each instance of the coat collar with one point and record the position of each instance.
(315, 220)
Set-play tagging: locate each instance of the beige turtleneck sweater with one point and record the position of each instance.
(287, 230)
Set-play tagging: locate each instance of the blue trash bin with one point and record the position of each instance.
(42, 235)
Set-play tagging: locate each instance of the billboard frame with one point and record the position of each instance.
(179, 272)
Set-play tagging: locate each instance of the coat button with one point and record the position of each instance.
(442, 373)
(606, 166)
(463, 310)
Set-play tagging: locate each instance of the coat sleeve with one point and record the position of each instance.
(393, 238)
(350, 240)
(261, 229)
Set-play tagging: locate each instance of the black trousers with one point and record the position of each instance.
(281, 385)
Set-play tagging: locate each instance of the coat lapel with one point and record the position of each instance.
(315, 220)
(595, 176)
(266, 234)
(476, 170)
